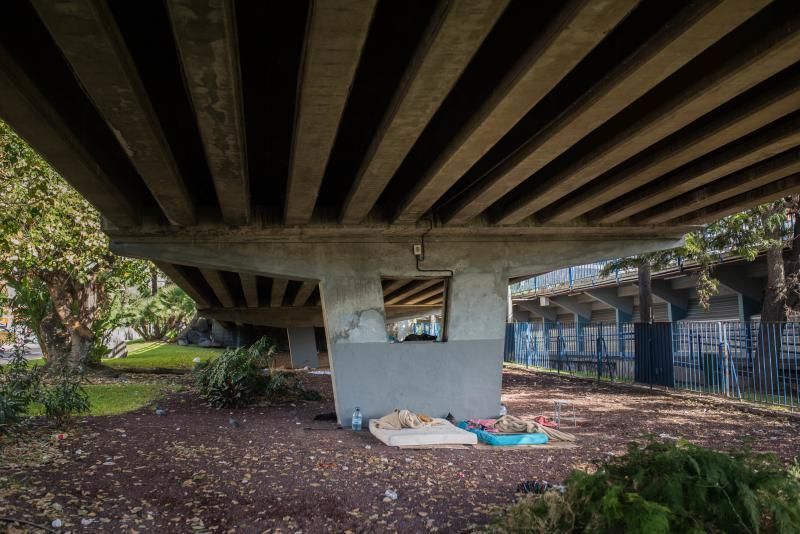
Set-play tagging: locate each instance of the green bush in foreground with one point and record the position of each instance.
(667, 488)
(235, 378)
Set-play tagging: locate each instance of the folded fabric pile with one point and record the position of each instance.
(509, 424)
(400, 419)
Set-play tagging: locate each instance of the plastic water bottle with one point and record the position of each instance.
(357, 419)
(503, 410)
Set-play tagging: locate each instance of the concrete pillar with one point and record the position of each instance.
(303, 347)
(461, 375)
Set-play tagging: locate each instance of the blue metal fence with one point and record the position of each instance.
(750, 361)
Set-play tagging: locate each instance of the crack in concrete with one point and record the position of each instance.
(354, 323)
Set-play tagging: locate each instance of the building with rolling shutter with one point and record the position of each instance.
(580, 294)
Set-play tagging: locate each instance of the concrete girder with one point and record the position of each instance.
(297, 260)
(419, 298)
(615, 197)
(747, 287)
(610, 297)
(250, 289)
(763, 109)
(28, 111)
(768, 55)
(761, 195)
(577, 29)
(279, 286)
(337, 30)
(697, 27)
(219, 287)
(548, 314)
(304, 293)
(405, 313)
(89, 38)
(205, 34)
(739, 182)
(174, 274)
(753, 148)
(394, 285)
(675, 297)
(571, 304)
(454, 34)
(277, 317)
(413, 290)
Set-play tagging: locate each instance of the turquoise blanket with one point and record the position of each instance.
(506, 439)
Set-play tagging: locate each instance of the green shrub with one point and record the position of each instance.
(235, 378)
(64, 399)
(667, 488)
(288, 387)
(19, 382)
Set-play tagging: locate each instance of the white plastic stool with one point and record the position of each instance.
(559, 406)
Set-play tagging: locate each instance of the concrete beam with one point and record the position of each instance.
(412, 290)
(676, 297)
(734, 184)
(610, 297)
(773, 191)
(751, 288)
(278, 291)
(31, 115)
(250, 289)
(576, 30)
(303, 347)
(571, 304)
(548, 314)
(89, 38)
(205, 34)
(694, 29)
(454, 34)
(394, 285)
(711, 134)
(425, 295)
(277, 317)
(304, 293)
(220, 288)
(184, 283)
(762, 58)
(337, 30)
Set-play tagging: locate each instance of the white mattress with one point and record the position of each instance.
(442, 434)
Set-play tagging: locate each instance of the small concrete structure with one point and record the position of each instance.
(303, 347)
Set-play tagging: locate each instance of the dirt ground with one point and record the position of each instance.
(281, 471)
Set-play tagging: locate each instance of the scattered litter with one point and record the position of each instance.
(86, 521)
(60, 437)
(367, 446)
(109, 463)
(319, 372)
(390, 494)
(666, 436)
(56, 523)
(196, 359)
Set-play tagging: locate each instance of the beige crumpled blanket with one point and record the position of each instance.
(510, 424)
(400, 419)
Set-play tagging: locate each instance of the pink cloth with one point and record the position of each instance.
(482, 424)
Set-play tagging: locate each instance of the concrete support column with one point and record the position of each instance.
(461, 376)
(303, 347)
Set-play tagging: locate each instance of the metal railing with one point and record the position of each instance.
(567, 278)
(749, 361)
(604, 350)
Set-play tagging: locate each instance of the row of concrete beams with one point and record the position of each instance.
(773, 52)
(206, 42)
(697, 27)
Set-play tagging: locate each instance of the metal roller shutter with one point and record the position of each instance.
(721, 308)
(608, 315)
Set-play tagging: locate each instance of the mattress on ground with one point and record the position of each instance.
(439, 434)
(534, 438)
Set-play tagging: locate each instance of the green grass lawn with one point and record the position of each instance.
(113, 399)
(157, 354)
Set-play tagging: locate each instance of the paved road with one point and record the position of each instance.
(32, 352)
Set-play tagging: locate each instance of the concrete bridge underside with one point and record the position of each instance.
(279, 160)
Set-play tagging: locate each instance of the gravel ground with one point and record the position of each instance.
(280, 471)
